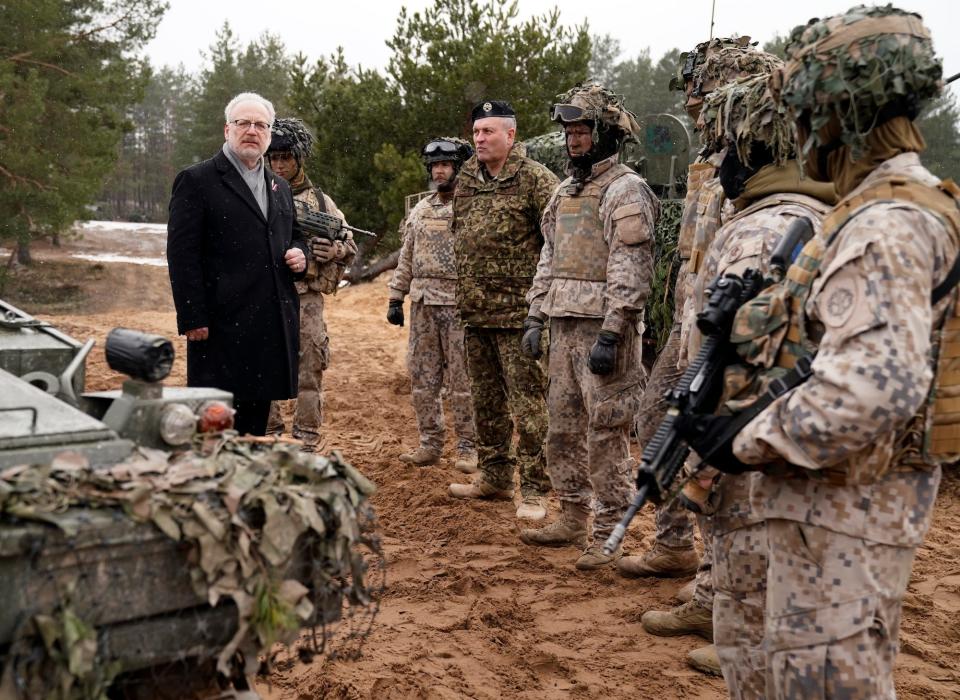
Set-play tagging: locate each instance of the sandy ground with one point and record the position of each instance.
(469, 611)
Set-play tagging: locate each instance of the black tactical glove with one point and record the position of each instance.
(603, 354)
(395, 312)
(323, 250)
(704, 435)
(532, 332)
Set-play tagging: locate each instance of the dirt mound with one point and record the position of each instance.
(469, 611)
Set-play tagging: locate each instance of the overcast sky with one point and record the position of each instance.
(362, 26)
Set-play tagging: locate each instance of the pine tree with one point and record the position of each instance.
(68, 73)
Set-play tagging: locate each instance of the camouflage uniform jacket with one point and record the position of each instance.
(326, 277)
(871, 375)
(627, 216)
(746, 240)
(426, 268)
(497, 239)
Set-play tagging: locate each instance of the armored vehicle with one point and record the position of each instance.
(142, 543)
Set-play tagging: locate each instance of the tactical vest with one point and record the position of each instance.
(697, 174)
(778, 342)
(694, 338)
(579, 249)
(433, 257)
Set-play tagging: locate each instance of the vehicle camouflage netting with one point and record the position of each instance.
(856, 64)
(550, 149)
(246, 508)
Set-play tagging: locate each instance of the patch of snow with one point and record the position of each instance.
(110, 257)
(122, 226)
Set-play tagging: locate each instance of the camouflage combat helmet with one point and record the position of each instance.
(743, 114)
(290, 134)
(690, 61)
(596, 104)
(446, 148)
(864, 67)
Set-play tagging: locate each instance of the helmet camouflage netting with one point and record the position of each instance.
(290, 134)
(690, 61)
(729, 64)
(864, 66)
(598, 105)
(743, 114)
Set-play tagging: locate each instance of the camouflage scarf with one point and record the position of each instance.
(772, 179)
(893, 137)
(300, 182)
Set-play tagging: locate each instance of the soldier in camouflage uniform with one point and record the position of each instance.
(497, 206)
(427, 272)
(762, 180)
(592, 282)
(290, 146)
(851, 456)
(672, 553)
(699, 224)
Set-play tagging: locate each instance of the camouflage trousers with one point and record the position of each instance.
(436, 344)
(674, 522)
(314, 358)
(740, 586)
(588, 438)
(833, 613)
(507, 388)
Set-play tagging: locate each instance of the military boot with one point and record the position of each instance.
(661, 560)
(466, 462)
(593, 557)
(570, 529)
(480, 488)
(532, 507)
(705, 660)
(689, 618)
(421, 457)
(685, 593)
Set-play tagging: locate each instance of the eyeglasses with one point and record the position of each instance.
(567, 113)
(445, 147)
(244, 124)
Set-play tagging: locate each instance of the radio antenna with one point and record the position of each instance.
(713, 9)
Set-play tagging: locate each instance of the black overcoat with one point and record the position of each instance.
(228, 274)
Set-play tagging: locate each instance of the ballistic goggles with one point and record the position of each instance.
(568, 113)
(445, 148)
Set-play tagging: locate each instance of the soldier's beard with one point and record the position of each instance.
(445, 187)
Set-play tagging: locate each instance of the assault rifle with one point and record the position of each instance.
(701, 385)
(321, 225)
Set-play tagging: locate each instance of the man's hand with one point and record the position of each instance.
(704, 434)
(532, 332)
(198, 333)
(603, 354)
(295, 259)
(395, 312)
(324, 251)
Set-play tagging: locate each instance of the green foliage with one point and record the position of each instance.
(458, 52)
(404, 174)
(777, 46)
(666, 265)
(138, 188)
(349, 111)
(263, 67)
(67, 77)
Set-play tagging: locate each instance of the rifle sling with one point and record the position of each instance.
(801, 372)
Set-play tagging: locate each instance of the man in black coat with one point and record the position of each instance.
(234, 248)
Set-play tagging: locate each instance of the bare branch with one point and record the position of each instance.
(21, 180)
(22, 58)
